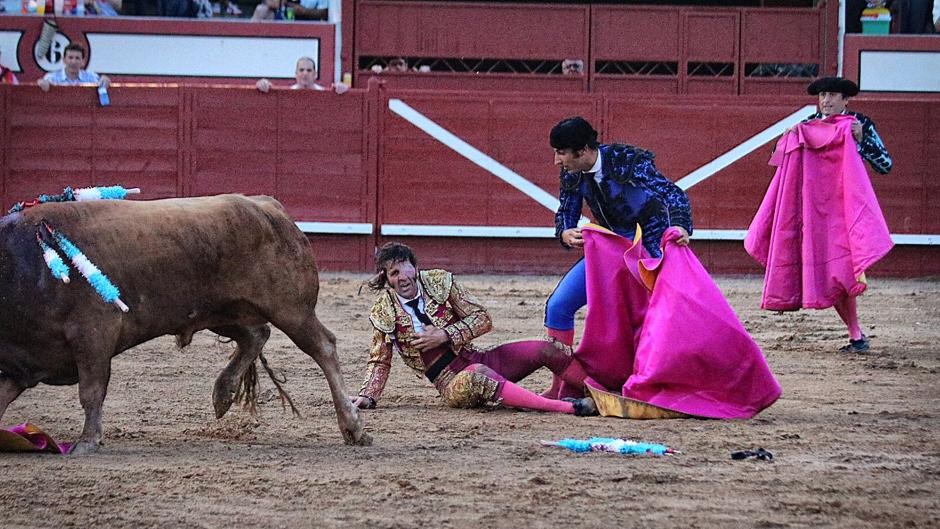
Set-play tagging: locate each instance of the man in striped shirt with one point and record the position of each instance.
(834, 94)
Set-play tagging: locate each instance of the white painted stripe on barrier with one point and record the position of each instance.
(427, 230)
(738, 235)
(745, 148)
(473, 154)
(351, 228)
(430, 230)
(916, 239)
(539, 195)
(719, 235)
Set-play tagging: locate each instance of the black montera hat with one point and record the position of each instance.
(833, 84)
(573, 133)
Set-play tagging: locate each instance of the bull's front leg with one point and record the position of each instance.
(318, 342)
(9, 390)
(94, 372)
(347, 414)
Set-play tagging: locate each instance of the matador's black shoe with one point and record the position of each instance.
(583, 407)
(856, 346)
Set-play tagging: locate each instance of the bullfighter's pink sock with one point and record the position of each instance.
(848, 311)
(519, 397)
(565, 337)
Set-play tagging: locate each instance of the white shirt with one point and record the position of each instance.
(419, 327)
(596, 169)
(296, 86)
(84, 77)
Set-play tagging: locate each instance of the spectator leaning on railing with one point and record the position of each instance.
(306, 77)
(73, 74)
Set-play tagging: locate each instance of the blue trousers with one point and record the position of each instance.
(569, 296)
(571, 293)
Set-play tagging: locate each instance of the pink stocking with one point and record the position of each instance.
(567, 338)
(848, 311)
(519, 397)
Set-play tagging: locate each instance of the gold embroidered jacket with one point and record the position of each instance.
(451, 308)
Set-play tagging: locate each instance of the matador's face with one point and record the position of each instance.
(402, 276)
(573, 160)
(832, 103)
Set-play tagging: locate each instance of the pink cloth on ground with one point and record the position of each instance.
(819, 226)
(682, 347)
(27, 437)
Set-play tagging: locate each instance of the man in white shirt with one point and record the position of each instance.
(72, 74)
(306, 77)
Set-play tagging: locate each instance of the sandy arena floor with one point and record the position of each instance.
(856, 437)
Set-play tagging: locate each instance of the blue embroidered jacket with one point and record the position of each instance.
(871, 147)
(631, 192)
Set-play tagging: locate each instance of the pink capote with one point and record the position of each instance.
(27, 437)
(617, 305)
(819, 226)
(682, 347)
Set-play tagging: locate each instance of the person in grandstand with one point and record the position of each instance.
(305, 75)
(73, 73)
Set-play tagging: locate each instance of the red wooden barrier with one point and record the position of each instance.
(911, 62)
(648, 61)
(686, 133)
(355, 172)
(311, 150)
(460, 34)
(635, 48)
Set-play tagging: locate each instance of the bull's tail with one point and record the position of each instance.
(246, 393)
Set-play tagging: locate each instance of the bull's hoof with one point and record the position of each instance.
(364, 439)
(83, 448)
(222, 397)
(221, 405)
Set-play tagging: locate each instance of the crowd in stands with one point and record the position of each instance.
(258, 10)
(908, 16)
(911, 16)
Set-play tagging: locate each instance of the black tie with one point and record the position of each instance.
(422, 317)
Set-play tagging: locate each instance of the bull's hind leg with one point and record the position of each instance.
(250, 339)
(320, 344)
(9, 390)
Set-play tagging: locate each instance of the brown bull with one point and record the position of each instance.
(230, 264)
